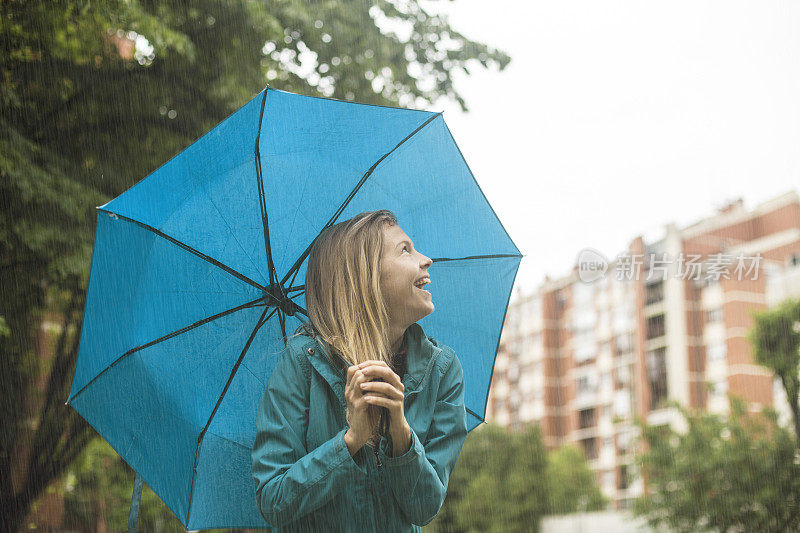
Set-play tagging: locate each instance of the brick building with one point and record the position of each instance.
(667, 321)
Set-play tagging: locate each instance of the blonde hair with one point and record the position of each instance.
(343, 294)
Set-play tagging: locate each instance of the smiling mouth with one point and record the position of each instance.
(422, 282)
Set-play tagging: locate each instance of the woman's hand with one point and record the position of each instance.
(389, 393)
(362, 417)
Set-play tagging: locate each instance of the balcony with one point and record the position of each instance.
(656, 326)
(654, 293)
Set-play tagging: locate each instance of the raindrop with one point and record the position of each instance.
(172, 113)
(323, 68)
(210, 20)
(269, 47)
(295, 34)
(326, 38)
(287, 39)
(318, 24)
(349, 96)
(271, 74)
(335, 61)
(368, 53)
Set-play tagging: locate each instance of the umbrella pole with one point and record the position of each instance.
(136, 498)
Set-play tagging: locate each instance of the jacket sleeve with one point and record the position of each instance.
(420, 476)
(291, 481)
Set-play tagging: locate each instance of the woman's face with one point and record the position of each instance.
(401, 267)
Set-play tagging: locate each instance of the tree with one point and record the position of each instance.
(739, 474)
(571, 484)
(775, 338)
(506, 481)
(97, 488)
(498, 483)
(96, 94)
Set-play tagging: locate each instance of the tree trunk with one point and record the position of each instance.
(13, 511)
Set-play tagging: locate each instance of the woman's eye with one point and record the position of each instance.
(405, 248)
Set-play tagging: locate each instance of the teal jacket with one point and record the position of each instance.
(306, 480)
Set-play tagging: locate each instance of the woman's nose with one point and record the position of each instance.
(426, 261)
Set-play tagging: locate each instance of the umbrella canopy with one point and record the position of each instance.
(197, 276)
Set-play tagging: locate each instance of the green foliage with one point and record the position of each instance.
(571, 484)
(506, 481)
(739, 474)
(775, 338)
(100, 484)
(96, 94)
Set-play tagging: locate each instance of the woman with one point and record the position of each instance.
(322, 460)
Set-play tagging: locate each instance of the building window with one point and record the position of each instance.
(716, 351)
(624, 343)
(714, 315)
(586, 418)
(655, 326)
(623, 441)
(586, 384)
(657, 376)
(654, 292)
(623, 477)
(623, 317)
(584, 351)
(589, 448)
(623, 374)
(622, 404)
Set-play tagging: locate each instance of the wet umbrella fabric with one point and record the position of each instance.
(197, 276)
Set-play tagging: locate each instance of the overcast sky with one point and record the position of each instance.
(617, 117)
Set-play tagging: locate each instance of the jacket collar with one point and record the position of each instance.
(420, 358)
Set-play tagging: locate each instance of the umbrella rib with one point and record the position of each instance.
(470, 257)
(262, 203)
(367, 174)
(470, 411)
(282, 320)
(188, 248)
(300, 288)
(252, 303)
(261, 321)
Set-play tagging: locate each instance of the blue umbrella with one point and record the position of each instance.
(197, 277)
